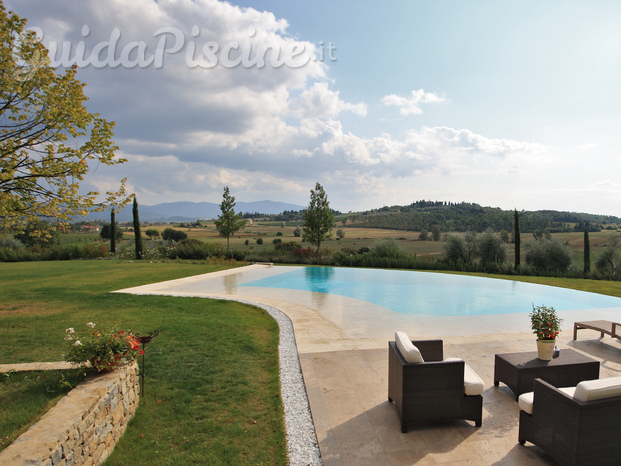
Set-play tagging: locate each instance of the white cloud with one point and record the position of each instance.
(320, 101)
(410, 105)
(269, 132)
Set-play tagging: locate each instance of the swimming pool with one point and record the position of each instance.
(425, 294)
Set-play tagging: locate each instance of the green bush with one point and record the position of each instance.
(170, 234)
(388, 248)
(285, 247)
(10, 243)
(490, 248)
(192, 242)
(549, 255)
(277, 240)
(260, 241)
(455, 249)
(196, 251)
(105, 232)
(39, 233)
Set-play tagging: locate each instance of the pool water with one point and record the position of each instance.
(434, 294)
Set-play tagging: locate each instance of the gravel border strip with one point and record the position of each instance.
(302, 442)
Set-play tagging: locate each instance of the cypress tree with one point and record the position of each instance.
(517, 239)
(137, 236)
(587, 252)
(112, 232)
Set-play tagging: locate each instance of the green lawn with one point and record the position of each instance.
(29, 395)
(212, 390)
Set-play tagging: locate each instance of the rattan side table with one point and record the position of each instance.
(519, 370)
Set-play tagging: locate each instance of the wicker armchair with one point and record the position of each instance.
(431, 390)
(573, 432)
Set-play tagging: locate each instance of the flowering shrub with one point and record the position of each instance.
(101, 347)
(545, 323)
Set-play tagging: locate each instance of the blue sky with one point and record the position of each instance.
(506, 104)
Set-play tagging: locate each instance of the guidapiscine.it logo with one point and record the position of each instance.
(252, 53)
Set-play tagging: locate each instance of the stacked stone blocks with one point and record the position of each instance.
(84, 426)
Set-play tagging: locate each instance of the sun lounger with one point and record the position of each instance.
(602, 326)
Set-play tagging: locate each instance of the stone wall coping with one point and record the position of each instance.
(43, 438)
(38, 366)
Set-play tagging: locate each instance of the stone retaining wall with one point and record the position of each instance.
(84, 426)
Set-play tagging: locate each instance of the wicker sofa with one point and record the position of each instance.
(573, 426)
(433, 389)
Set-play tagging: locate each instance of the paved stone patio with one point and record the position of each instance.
(342, 345)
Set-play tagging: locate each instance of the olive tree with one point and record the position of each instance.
(490, 248)
(608, 260)
(455, 249)
(318, 219)
(152, 233)
(548, 255)
(170, 234)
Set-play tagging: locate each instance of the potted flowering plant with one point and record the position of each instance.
(102, 348)
(546, 325)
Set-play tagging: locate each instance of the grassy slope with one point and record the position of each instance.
(212, 390)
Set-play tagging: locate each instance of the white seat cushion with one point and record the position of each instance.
(473, 384)
(526, 399)
(409, 352)
(591, 390)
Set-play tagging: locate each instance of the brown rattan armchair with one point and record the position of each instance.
(431, 390)
(573, 432)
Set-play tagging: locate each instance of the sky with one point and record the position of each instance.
(506, 104)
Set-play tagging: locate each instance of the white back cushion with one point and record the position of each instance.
(409, 352)
(591, 390)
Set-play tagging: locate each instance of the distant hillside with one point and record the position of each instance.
(191, 211)
(472, 217)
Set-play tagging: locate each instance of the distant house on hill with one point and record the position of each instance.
(90, 228)
(250, 222)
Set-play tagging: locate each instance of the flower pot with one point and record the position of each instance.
(545, 348)
(109, 367)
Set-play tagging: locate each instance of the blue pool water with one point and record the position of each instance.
(434, 294)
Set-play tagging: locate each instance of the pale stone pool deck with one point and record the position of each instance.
(342, 345)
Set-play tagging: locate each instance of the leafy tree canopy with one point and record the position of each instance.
(170, 234)
(318, 218)
(39, 233)
(106, 232)
(47, 138)
(228, 222)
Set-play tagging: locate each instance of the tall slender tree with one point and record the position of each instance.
(137, 236)
(228, 222)
(318, 219)
(587, 252)
(517, 239)
(112, 232)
